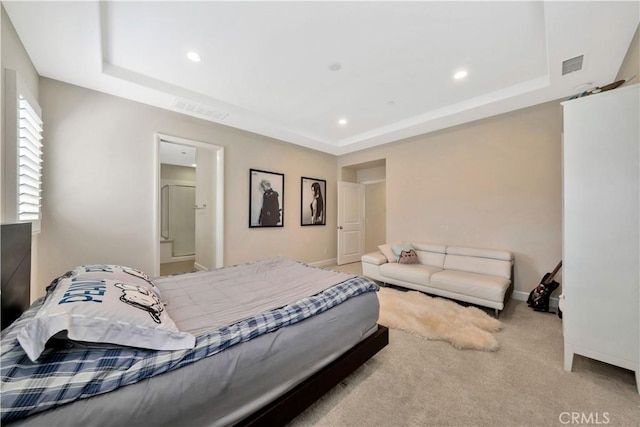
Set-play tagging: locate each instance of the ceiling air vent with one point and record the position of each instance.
(198, 109)
(571, 65)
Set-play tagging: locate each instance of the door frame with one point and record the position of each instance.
(219, 196)
(362, 172)
(341, 258)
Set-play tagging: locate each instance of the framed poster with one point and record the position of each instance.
(313, 194)
(266, 199)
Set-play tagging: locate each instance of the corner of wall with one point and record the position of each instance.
(13, 55)
(630, 66)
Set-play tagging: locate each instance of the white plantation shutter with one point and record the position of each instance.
(29, 161)
(22, 168)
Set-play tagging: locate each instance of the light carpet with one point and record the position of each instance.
(416, 382)
(438, 319)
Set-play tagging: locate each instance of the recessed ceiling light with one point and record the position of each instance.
(335, 66)
(342, 122)
(460, 75)
(194, 56)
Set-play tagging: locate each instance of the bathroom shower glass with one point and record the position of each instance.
(178, 220)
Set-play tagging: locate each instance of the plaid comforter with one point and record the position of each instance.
(66, 375)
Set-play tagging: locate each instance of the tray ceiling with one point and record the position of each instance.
(292, 70)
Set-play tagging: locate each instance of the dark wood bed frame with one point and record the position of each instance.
(287, 407)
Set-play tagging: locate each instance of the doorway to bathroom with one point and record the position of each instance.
(190, 205)
(177, 217)
(362, 207)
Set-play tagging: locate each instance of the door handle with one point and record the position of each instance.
(339, 227)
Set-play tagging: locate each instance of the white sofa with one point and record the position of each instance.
(478, 276)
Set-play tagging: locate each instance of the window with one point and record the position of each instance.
(29, 161)
(23, 154)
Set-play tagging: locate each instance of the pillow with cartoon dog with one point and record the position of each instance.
(116, 272)
(103, 310)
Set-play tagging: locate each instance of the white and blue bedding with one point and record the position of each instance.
(71, 374)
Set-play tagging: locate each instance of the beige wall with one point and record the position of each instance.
(2, 118)
(492, 183)
(14, 56)
(177, 173)
(375, 216)
(631, 64)
(99, 183)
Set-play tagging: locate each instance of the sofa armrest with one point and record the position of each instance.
(375, 258)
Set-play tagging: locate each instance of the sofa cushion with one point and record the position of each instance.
(388, 252)
(430, 253)
(430, 247)
(472, 284)
(375, 258)
(413, 273)
(480, 252)
(430, 258)
(472, 264)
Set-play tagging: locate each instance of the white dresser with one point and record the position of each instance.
(601, 228)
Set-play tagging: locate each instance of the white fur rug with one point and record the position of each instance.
(438, 319)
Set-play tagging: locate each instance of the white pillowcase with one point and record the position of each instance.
(398, 248)
(116, 272)
(103, 310)
(387, 251)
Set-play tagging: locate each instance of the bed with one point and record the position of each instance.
(259, 357)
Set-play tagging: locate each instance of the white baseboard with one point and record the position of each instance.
(324, 263)
(180, 258)
(522, 296)
(199, 267)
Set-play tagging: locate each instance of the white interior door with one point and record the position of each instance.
(351, 231)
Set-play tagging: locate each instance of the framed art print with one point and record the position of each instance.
(266, 199)
(313, 196)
